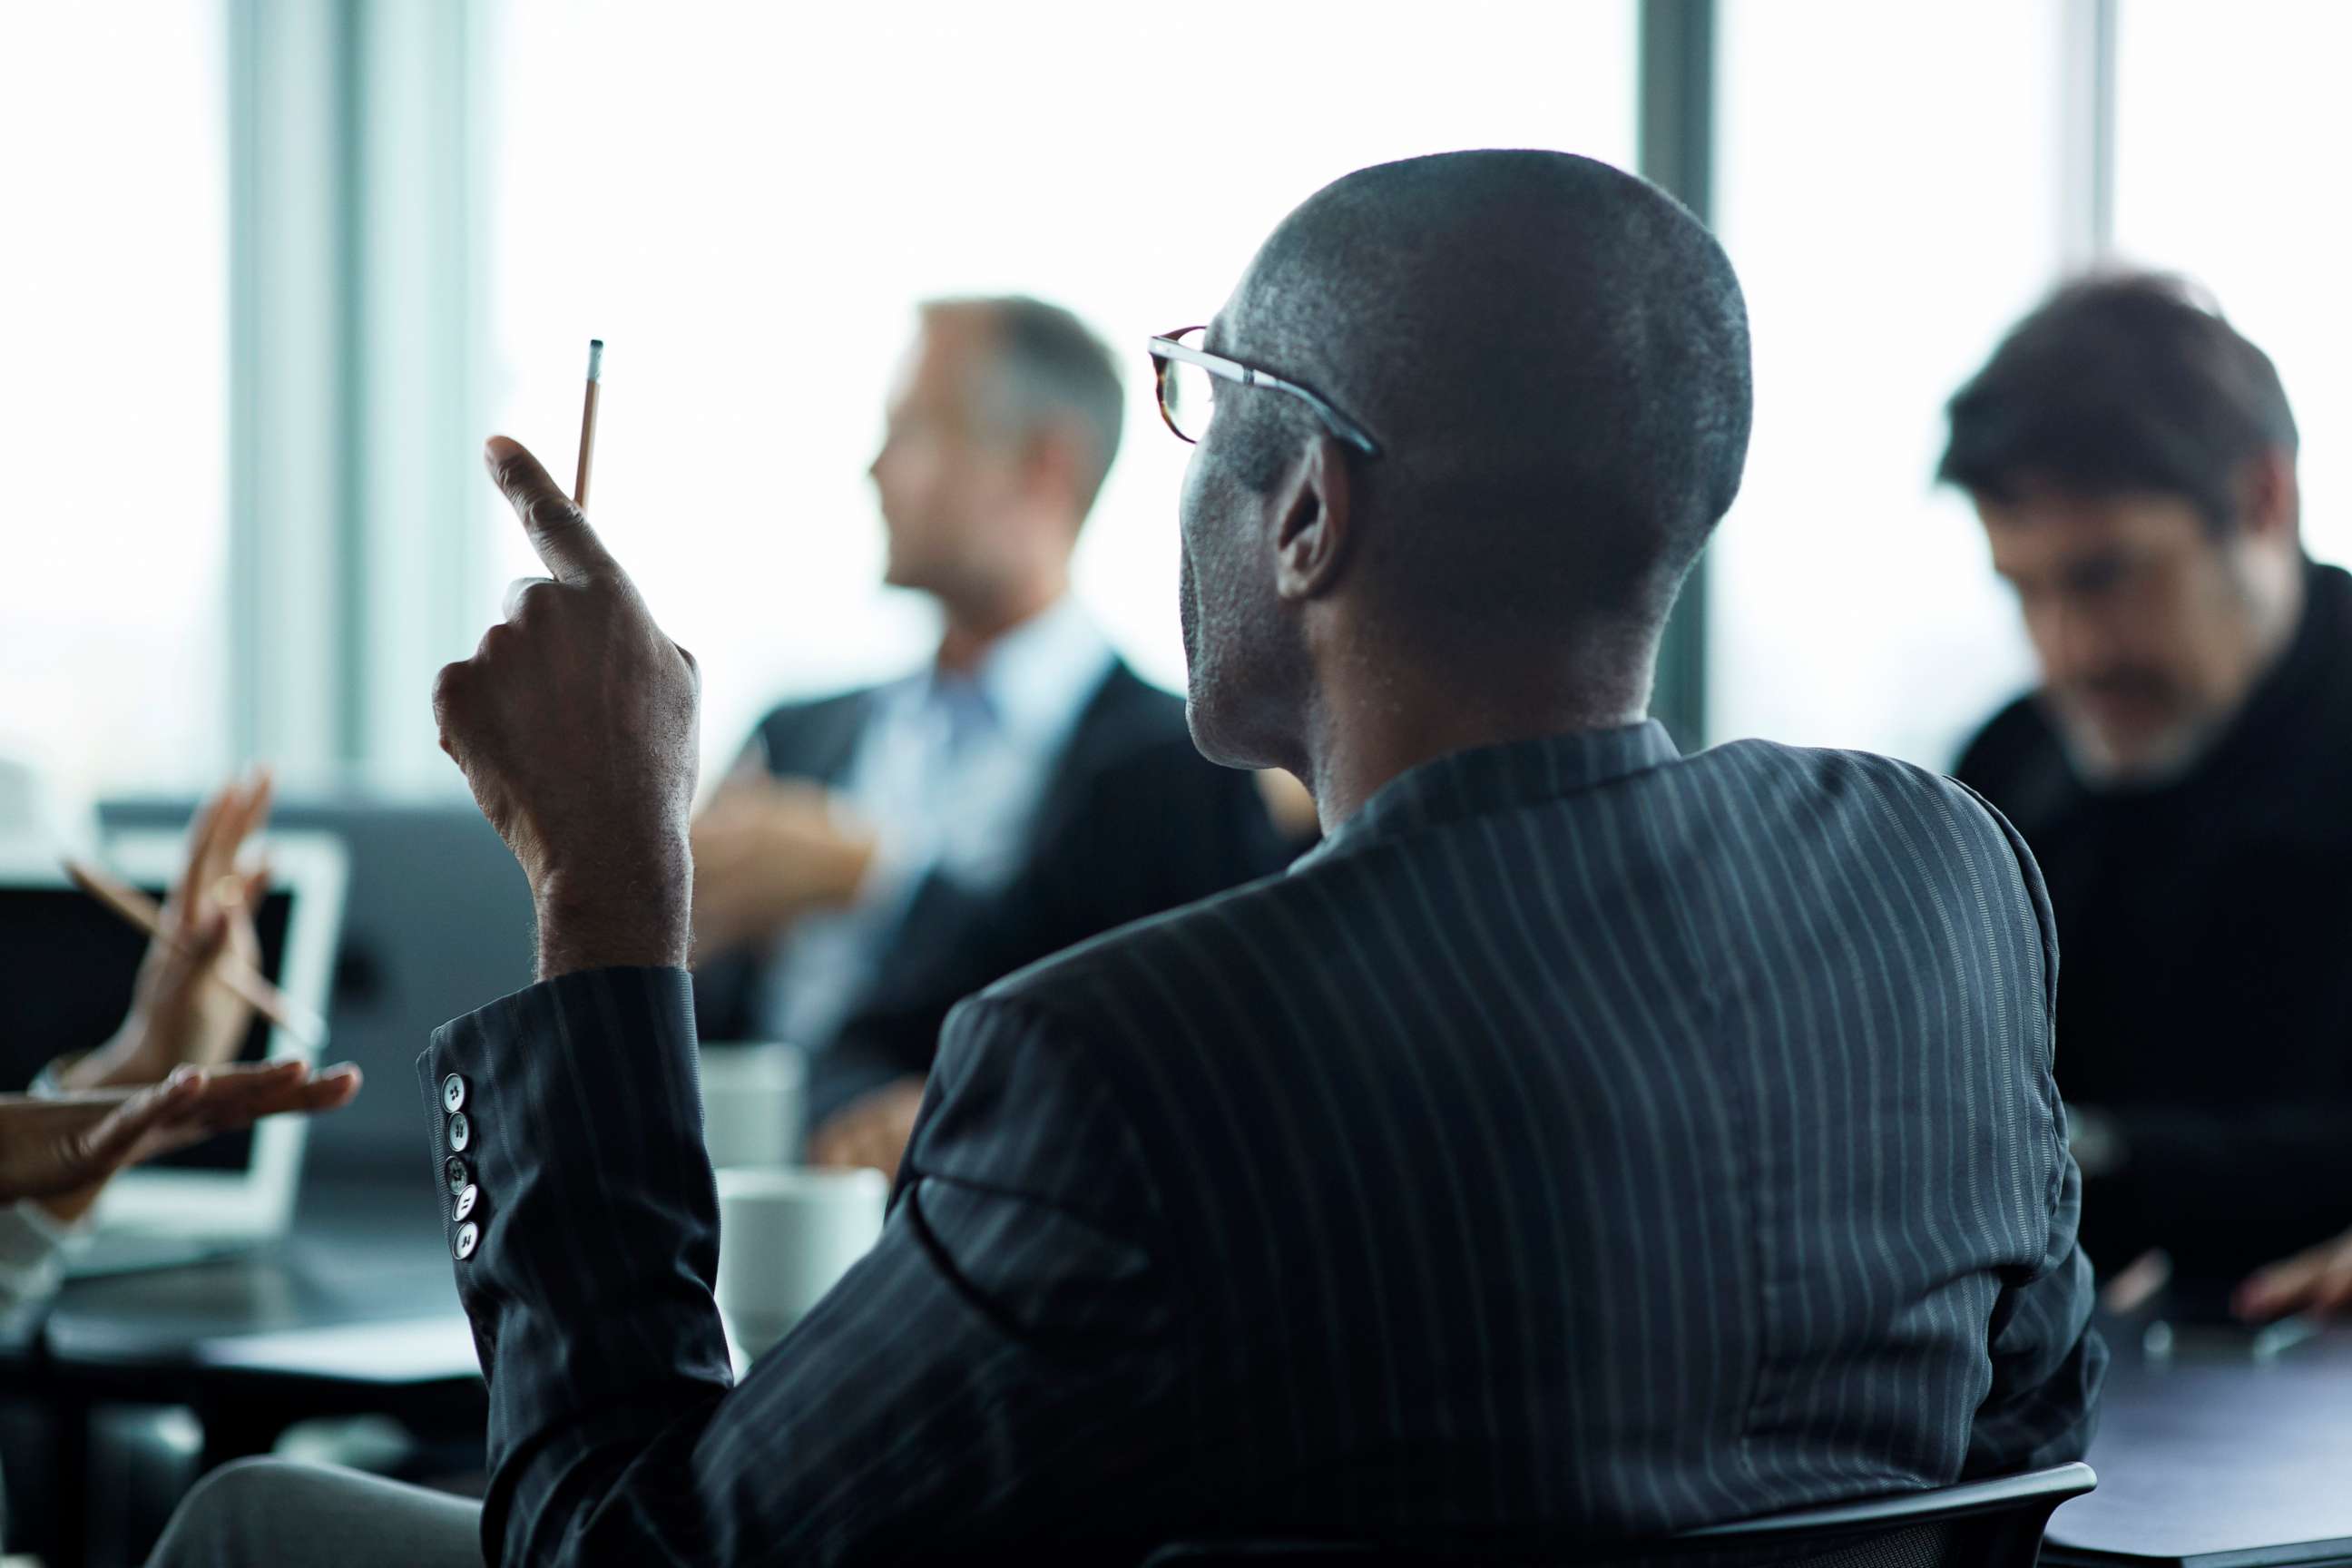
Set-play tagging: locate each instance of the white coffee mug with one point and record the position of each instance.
(754, 1100)
(785, 1238)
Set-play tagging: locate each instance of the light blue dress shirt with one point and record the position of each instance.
(950, 772)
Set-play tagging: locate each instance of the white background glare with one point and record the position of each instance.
(113, 390)
(746, 202)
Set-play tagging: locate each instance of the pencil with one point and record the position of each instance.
(588, 422)
(141, 912)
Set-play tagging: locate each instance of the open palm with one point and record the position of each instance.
(53, 1146)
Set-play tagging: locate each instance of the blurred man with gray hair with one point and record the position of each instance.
(883, 853)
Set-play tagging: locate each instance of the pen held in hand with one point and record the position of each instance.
(588, 422)
(139, 911)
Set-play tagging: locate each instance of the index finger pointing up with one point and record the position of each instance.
(558, 531)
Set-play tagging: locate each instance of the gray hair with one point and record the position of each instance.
(1049, 369)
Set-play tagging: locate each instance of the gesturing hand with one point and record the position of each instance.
(873, 1130)
(178, 1013)
(576, 722)
(767, 851)
(51, 1147)
(2317, 1280)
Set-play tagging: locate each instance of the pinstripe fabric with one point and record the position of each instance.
(1582, 1139)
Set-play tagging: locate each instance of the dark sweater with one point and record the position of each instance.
(2205, 943)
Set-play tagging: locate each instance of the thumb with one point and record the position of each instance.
(204, 945)
(210, 935)
(558, 530)
(188, 956)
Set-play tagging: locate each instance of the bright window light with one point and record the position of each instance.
(746, 201)
(114, 400)
(2229, 144)
(1887, 183)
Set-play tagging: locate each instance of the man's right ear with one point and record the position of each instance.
(1314, 521)
(2270, 500)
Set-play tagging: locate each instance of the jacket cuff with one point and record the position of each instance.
(568, 1164)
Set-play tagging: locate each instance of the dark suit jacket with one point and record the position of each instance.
(2208, 930)
(1582, 1141)
(1134, 822)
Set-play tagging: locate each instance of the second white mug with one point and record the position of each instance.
(754, 1100)
(786, 1237)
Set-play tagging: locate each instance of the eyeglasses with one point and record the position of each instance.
(1188, 376)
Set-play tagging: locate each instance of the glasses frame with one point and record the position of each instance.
(1168, 347)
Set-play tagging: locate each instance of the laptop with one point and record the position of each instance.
(67, 969)
(438, 923)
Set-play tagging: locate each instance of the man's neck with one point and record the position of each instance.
(973, 628)
(1380, 723)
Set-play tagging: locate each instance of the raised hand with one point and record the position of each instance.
(576, 725)
(69, 1144)
(180, 1013)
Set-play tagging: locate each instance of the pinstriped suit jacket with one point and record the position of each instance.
(1583, 1141)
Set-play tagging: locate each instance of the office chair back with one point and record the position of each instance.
(1977, 1524)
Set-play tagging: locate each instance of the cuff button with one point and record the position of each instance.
(453, 1093)
(453, 1171)
(466, 1200)
(469, 1236)
(461, 1132)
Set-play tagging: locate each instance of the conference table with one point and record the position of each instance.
(355, 1312)
(2210, 1458)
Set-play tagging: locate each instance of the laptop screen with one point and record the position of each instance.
(66, 968)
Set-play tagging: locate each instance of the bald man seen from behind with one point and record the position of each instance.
(1584, 1142)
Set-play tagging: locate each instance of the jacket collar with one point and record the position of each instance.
(1490, 779)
